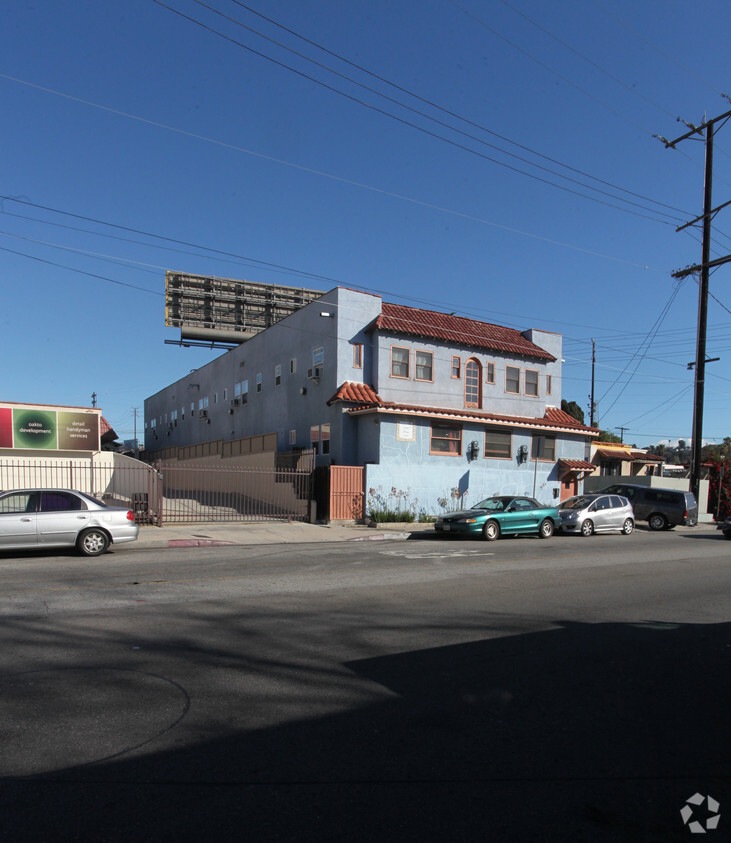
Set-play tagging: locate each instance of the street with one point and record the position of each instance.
(431, 689)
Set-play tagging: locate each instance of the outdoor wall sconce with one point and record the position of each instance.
(523, 453)
(474, 450)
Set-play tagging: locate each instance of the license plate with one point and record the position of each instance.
(446, 528)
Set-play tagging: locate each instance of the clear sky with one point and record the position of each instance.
(494, 159)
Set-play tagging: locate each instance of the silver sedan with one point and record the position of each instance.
(589, 514)
(40, 518)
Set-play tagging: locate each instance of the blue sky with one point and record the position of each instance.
(492, 159)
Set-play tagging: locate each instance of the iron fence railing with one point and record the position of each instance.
(174, 493)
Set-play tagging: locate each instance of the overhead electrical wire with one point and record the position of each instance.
(412, 125)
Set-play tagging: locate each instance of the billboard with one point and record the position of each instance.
(211, 308)
(44, 429)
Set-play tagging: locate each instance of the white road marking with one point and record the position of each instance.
(454, 554)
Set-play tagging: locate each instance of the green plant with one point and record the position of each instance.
(394, 507)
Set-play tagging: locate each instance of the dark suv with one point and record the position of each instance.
(661, 508)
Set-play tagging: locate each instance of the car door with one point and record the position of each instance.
(520, 517)
(18, 520)
(61, 518)
(602, 516)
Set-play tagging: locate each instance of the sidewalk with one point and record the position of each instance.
(210, 534)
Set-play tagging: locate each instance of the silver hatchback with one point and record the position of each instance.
(589, 514)
(33, 519)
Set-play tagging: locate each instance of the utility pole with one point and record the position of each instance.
(707, 128)
(93, 399)
(591, 397)
(621, 433)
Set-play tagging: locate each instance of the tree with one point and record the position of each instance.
(573, 409)
(606, 436)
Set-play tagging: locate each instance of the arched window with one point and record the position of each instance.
(473, 383)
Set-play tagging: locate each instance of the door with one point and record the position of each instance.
(61, 518)
(569, 487)
(18, 519)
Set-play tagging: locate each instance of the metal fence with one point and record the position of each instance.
(203, 493)
(172, 493)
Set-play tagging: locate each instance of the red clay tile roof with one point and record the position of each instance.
(413, 321)
(557, 420)
(641, 456)
(361, 393)
(576, 465)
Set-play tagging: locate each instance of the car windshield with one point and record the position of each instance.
(580, 502)
(494, 504)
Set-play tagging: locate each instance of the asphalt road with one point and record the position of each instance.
(569, 689)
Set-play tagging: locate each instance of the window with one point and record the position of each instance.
(531, 382)
(225, 394)
(456, 367)
(258, 381)
(292, 365)
(277, 374)
(544, 447)
(548, 384)
(292, 437)
(424, 364)
(215, 398)
(237, 390)
(400, 358)
(512, 379)
(315, 438)
(472, 384)
(60, 502)
(244, 386)
(318, 357)
(498, 444)
(358, 355)
(489, 373)
(325, 438)
(446, 439)
(19, 502)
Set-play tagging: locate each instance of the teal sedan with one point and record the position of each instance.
(503, 515)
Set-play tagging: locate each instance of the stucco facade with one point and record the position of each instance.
(403, 391)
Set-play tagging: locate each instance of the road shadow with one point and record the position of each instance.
(584, 732)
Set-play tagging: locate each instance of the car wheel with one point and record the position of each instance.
(491, 531)
(657, 521)
(727, 535)
(545, 531)
(587, 527)
(92, 542)
(628, 526)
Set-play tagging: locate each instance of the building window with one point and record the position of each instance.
(446, 439)
(325, 438)
(225, 394)
(315, 438)
(456, 367)
(358, 355)
(531, 382)
(498, 444)
(472, 384)
(512, 379)
(244, 387)
(258, 381)
(318, 357)
(548, 384)
(277, 374)
(292, 437)
(489, 372)
(424, 365)
(400, 359)
(543, 448)
(292, 365)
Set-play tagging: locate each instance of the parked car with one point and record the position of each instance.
(501, 515)
(661, 508)
(726, 527)
(41, 518)
(589, 514)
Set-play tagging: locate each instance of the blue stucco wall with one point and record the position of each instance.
(432, 484)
